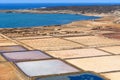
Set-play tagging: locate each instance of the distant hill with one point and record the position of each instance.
(87, 9)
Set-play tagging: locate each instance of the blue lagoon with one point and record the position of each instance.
(22, 20)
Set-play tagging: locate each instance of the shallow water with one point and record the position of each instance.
(25, 55)
(82, 76)
(15, 20)
(45, 67)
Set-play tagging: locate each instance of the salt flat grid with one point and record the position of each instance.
(94, 41)
(3, 39)
(98, 64)
(7, 44)
(77, 53)
(35, 37)
(12, 48)
(71, 35)
(25, 55)
(101, 60)
(38, 68)
(112, 49)
(50, 44)
(112, 75)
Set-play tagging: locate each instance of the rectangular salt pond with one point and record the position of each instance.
(77, 53)
(7, 43)
(112, 49)
(98, 64)
(11, 48)
(76, 76)
(112, 75)
(25, 55)
(50, 44)
(94, 41)
(45, 68)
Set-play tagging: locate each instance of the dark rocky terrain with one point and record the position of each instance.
(81, 9)
(86, 9)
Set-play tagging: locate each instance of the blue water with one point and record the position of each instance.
(82, 76)
(16, 20)
(40, 5)
(86, 76)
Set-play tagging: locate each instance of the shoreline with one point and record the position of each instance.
(107, 11)
(32, 12)
(101, 24)
(70, 10)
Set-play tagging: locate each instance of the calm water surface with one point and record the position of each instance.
(15, 20)
(46, 5)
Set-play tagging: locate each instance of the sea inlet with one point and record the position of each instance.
(23, 20)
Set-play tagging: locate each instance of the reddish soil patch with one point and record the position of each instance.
(112, 35)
